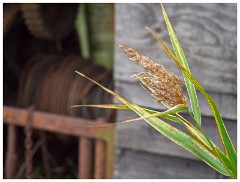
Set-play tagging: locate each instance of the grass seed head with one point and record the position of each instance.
(162, 84)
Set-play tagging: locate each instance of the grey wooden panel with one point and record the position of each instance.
(207, 33)
(226, 103)
(142, 165)
(142, 137)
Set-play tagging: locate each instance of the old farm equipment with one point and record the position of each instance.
(45, 87)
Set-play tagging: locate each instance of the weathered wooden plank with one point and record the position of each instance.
(142, 137)
(134, 92)
(207, 33)
(142, 165)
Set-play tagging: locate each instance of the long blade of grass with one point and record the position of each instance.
(186, 142)
(105, 106)
(173, 110)
(199, 135)
(227, 163)
(166, 114)
(227, 143)
(113, 106)
(194, 131)
(124, 107)
(172, 133)
(182, 59)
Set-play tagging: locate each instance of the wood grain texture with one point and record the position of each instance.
(142, 137)
(207, 33)
(141, 165)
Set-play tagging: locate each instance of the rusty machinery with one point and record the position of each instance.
(48, 83)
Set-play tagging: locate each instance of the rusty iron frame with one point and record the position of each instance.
(11, 154)
(79, 127)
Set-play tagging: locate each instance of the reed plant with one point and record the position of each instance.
(166, 88)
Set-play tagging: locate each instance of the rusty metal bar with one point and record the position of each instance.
(79, 127)
(99, 163)
(11, 155)
(85, 158)
(45, 154)
(109, 155)
(58, 123)
(28, 143)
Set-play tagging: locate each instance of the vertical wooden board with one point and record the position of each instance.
(207, 33)
(142, 165)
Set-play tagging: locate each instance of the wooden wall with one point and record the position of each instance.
(208, 35)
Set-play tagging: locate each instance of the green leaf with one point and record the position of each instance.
(227, 143)
(105, 106)
(165, 114)
(225, 160)
(173, 118)
(195, 132)
(172, 133)
(199, 135)
(124, 107)
(186, 142)
(182, 59)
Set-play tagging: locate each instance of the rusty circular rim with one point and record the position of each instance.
(45, 95)
(76, 93)
(10, 14)
(58, 86)
(38, 74)
(99, 77)
(40, 97)
(84, 66)
(69, 75)
(23, 79)
(30, 79)
(49, 21)
(102, 95)
(65, 81)
(90, 88)
(51, 83)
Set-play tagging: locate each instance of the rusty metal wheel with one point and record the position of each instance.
(50, 83)
(52, 21)
(31, 79)
(10, 14)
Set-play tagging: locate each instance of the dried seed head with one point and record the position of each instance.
(162, 84)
